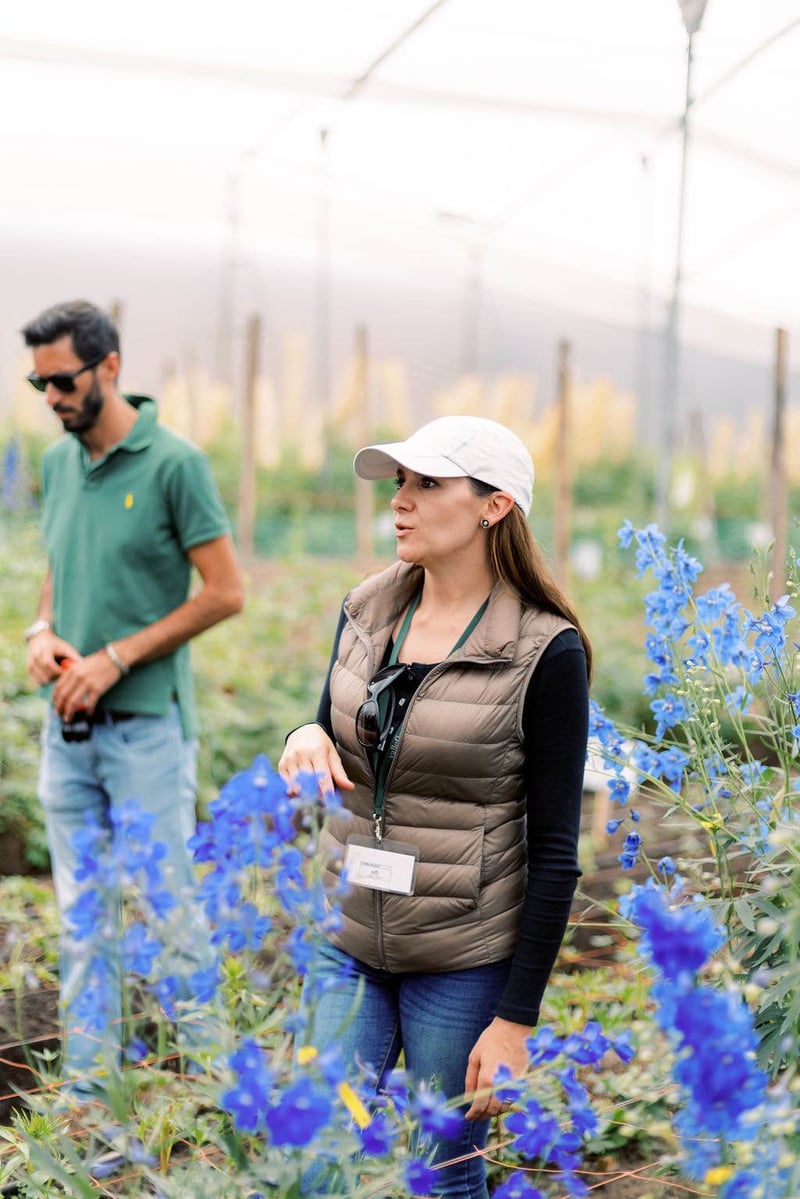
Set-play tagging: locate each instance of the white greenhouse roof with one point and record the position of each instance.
(546, 134)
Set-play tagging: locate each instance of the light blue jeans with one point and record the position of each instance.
(435, 1019)
(147, 759)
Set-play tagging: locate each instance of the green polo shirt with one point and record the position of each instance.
(117, 531)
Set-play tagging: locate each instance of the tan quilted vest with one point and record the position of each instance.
(455, 788)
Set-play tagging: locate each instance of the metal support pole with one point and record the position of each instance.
(671, 387)
(778, 490)
(323, 280)
(562, 518)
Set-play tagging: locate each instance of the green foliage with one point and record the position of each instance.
(634, 1100)
(20, 711)
(626, 483)
(732, 718)
(28, 935)
(260, 675)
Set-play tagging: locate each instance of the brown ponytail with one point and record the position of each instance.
(518, 562)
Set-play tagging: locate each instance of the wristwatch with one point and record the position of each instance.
(38, 626)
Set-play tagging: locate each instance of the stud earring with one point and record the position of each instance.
(486, 524)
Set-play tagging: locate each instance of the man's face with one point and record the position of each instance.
(77, 410)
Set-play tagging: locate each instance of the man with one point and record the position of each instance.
(129, 508)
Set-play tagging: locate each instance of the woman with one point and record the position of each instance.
(454, 720)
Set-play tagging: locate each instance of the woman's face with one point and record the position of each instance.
(436, 519)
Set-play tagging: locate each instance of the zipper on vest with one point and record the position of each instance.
(438, 669)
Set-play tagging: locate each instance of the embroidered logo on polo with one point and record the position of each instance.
(129, 500)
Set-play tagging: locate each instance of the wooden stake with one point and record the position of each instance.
(247, 477)
(365, 491)
(562, 516)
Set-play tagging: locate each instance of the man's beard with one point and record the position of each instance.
(86, 417)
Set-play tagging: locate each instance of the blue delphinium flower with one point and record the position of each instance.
(139, 949)
(302, 949)
(645, 760)
(379, 1137)
(672, 763)
(204, 983)
(113, 862)
(619, 789)
(86, 914)
(718, 1072)
(253, 825)
(431, 1111)
(589, 1046)
(304, 1107)
(534, 1128)
(507, 1088)
(677, 939)
(712, 1031)
(668, 711)
(630, 851)
(290, 883)
(769, 629)
(97, 996)
(752, 773)
(419, 1177)
(166, 992)
(739, 700)
(247, 1099)
(136, 1050)
(90, 845)
(543, 1046)
(396, 1088)
(517, 1187)
(241, 927)
(729, 645)
(584, 1120)
(650, 551)
(715, 603)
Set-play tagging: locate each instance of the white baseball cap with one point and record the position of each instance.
(456, 446)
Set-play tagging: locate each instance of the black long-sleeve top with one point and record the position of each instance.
(555, 726)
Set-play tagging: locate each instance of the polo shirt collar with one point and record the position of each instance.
(142, 433)
(139, 438)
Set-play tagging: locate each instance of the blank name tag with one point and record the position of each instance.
(390, 866)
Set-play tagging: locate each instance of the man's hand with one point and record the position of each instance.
(43, 649)
(500, 1044)
(309, 750)
(83, 683)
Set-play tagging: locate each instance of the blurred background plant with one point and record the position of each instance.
(260, 675)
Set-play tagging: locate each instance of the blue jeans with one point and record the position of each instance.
(435, 1019)
(147, 759)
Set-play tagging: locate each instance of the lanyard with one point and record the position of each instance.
(404, 627)
(388, 757)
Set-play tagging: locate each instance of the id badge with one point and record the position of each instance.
(390, 866)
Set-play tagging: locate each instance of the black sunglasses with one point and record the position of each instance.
(372, 724)
(62, 381)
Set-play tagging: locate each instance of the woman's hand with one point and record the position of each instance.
(500, 1044)
(309, 750)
